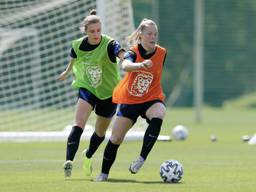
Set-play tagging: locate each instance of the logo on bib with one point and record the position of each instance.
(141, 84)
(94, 74)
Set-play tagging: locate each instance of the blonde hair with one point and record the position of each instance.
(134, 38)
(90, 19)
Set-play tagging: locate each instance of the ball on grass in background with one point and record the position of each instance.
(246, 138)
(213, 138)
(171, 171)
(180, 132)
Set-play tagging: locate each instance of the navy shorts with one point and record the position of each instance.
(133, 111)
(105, 108)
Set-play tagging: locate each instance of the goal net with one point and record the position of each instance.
(35, 40)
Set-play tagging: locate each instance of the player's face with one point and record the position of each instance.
(149, 38)
(94, 33)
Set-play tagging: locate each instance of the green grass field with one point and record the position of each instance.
(224, 166)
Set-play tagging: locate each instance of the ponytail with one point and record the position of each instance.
(134, 38)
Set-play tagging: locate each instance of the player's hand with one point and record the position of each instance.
(146, 64)
(63, 76)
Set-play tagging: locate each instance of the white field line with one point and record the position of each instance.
(11, 161)
(30, 136)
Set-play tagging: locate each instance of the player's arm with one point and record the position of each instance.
(129, 64)
(65, 73)
(115, 50)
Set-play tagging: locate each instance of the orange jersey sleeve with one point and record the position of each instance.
(144, 84)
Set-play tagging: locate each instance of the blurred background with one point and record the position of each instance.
(211, 53)
(229, 47)
(211, 48)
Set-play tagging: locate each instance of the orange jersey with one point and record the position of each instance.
(142, 85)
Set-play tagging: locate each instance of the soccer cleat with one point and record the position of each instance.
(68, 165)
(136, 165)
(87, 164)
(101, 177)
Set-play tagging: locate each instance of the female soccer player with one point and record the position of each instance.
(94, 63)
(139, 94)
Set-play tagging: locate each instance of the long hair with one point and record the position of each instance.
(134, 38)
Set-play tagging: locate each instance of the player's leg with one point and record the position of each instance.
(82, 113)
(97, 138)
(105, 110)
(120, 128)
(154, 114)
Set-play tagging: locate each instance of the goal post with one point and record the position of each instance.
(35, 41)
(112, 22)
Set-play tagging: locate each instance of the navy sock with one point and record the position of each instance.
(109, 157)
(73, 142)
(95, 142)
(150, 136)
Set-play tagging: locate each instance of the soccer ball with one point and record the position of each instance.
(171, 171)
(180, 132)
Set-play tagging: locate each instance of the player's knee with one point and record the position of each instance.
(157, 111)
(159, 114)
(80, 123)
(100, 133)
(116, 139)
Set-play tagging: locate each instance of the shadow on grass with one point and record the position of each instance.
(112, 180)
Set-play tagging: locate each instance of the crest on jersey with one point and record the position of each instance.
(141, 83)
(94, 74)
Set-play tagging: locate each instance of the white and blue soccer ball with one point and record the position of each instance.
(171, 171)
(180, 132)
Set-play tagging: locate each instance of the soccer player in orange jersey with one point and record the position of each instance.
(139, 93)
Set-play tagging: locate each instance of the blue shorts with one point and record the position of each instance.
(133, 111)
(103, 108)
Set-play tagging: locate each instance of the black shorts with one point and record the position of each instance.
(133, 111)
(105, 108)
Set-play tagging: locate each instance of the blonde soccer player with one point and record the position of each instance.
(139, 93)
